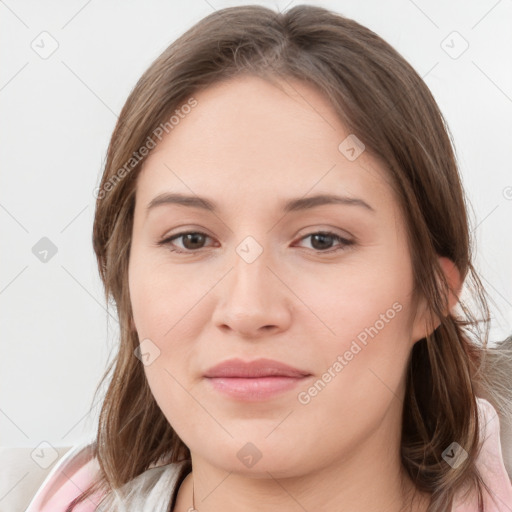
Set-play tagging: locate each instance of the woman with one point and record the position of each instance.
(282, 227)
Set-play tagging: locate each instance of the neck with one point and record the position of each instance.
(359, 486)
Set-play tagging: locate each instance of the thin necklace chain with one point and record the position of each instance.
(193, 498)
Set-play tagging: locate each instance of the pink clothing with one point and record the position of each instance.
(72, 475)
(491, 466)
(76, 471)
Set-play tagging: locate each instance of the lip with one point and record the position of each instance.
(255, 380)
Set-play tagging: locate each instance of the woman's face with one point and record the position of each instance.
(258, 280)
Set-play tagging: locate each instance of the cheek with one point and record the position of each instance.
(165, 317)
(166, 311)
(362, 374)
(160, 297)
(365, 349)
(364, 301)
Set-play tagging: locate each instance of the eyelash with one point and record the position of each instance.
(346, 243)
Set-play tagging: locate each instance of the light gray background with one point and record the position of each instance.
(58, 114)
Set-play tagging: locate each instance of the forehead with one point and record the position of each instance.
(248, 139)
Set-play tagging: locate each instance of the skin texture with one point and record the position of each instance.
(248, 146)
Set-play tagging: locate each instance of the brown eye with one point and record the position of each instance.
(191, 241)
(323, 241)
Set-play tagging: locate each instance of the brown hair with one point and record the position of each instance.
(383, 101)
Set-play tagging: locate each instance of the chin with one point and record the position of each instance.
(258, 459)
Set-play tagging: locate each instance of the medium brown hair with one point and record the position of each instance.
(381, 99)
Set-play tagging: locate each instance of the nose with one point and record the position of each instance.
(253, 300)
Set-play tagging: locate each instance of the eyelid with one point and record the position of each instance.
(308, 230)
(345, 241)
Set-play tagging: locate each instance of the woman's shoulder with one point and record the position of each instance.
(72, 474)
(78, 469)
(490, 464)
(154, 489)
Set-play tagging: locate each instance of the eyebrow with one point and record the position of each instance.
(290, 205)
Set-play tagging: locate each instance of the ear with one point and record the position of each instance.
(424, 322)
